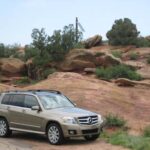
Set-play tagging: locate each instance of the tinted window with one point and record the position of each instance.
(30, 101)
(6, 99)
(18, 100)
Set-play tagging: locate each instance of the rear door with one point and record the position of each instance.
(15, 109)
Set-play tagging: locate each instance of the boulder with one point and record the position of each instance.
(124, 82)
(134, 64)
(107, 60)
(11, 66)
(90, 70)
(77, 60)
(77, 65)
(93, 41)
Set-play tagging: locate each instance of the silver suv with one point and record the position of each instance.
(46, 112)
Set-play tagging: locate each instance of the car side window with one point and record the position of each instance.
(30, 101)
(6, 100)
(17, 100)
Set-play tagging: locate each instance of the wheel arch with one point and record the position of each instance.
(50, 122)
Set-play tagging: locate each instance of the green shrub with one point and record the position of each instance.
(146, 131)
(48, 72)
(134, 56)
(128, 141)
(117, 54)
(119, 71)
(142, 42)
(123, 32)
(114, 121)
(22, 81)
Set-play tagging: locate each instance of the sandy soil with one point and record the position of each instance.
(23, 141)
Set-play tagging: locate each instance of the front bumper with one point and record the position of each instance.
(77, 130)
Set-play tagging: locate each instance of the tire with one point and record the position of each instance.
(54, 134)
(4, 128)
(91, 137)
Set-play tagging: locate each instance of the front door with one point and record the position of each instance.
(31, 118)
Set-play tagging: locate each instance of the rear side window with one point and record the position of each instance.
(6, 100)
(30, 101)
(17, 100)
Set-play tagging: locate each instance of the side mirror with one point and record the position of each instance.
(36, 108)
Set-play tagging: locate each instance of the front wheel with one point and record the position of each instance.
(91, 137)
(4, 128)
(55, 134)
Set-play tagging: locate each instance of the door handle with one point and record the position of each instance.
(8, 107)
(24, 111)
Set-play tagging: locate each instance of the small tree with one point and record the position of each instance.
(123, 32)
(39, 40)
(2, 50)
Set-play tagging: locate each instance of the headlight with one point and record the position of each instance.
(100, 120)
(69, 120)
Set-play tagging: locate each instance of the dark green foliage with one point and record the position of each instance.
(40, 40)
(146, 131)
(2, 50)
(117, 54)
(61, 42)
(142, 42)
(123, 32)
(119, 71)
(134, 56)
(114, 121)
(30, 52)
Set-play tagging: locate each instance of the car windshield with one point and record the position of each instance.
(52, 101)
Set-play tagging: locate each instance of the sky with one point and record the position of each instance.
(19, 17)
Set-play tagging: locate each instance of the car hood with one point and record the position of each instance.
(70, 111)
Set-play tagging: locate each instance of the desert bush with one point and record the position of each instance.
(129, 141)
(22, 81)
(117, 54)
(146, 131)
(123, 32)
(118, 71)
(47, 72)
(134, 56)
(8, 50)
(114, 121)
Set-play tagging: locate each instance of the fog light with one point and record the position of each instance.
(72, 132)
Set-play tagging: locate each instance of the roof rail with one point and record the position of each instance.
(14, 91)
(43, 90)
(34, 91)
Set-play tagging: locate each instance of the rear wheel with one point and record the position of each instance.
(55, 134)
(91, 137)
(4, 128)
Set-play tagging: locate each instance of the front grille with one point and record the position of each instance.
(88, 120)
(92, 131)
